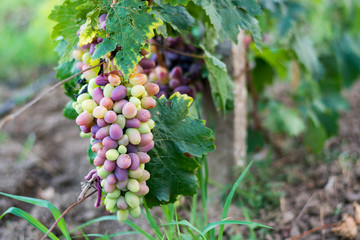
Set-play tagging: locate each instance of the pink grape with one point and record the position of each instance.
(79, 66)
(98, 161)
(174, 83)
(102, 153)
(147, 63)
(144, 157)
(135, 161)
(111, 179)
(121, 174)
(109, 143)
(121, 203)
(146, 139)
(109, 187)
(110, 116)
(107, 102)
(102, 17)
(96, 146)
(122, 184)
(118, 93)
(84, 118)
(143, 115)
(97, 95)
(124, 161)
(147, 147)
(148, 102)
(109, 166)
(92, 48)
(145, 175)
(144, 189)
(114, 80)
(101, 122)
(102, 133)
(118, 106)
(176, 72)
(137, 79)
(152, 88)
(129, 110)
(115, 131)
(133, 123)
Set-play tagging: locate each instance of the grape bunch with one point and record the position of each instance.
(113, 112)
(180, 74)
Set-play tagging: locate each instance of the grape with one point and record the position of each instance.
(85, 129)
(133, 123)
(92, 48)
(121, 174)
(122, 149)
(112, 154)
(122, 184)
(118, 106)
(107, 103)
(121, 203)
(98, 161)
(143, 157)
(119, 93)
(108, 90)
(89, 105)
(111, 179)
(99, 112)
(124, 140)
(148, 102)
(137, 90)
(131, 148)
(101, 122)
(124, 161)
(134, 135)
(109, 166)
(114, 80)
(176, 73)
(109, 143)
(145, 139)
(147, 63)
(136, 173)
(151, 123)
(184, 90)
(147, 147)
(101, 80)
(121, 120)
(152, 88)
(132, 200)
(174, 83)
(129, 110)
(84, 118)
(143, 115)
(77, 54)
(97, 95)
(115, 194)
(115, 131)
(122, 215)
(102, 153)
(144, 176)
(137, 79)
(135, 161)
(109, 187)
(136, 101)
(102, 18)
(110, 117)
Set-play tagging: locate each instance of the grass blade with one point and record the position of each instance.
(226, 222)
(187, 224)
(152, 221)
(42, 203)
(138, 229)
(100, 219)
(230, 197)
(21, 213)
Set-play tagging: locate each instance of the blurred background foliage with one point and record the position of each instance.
(27, 51)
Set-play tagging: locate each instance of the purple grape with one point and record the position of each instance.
(133, 123)
(109, 187)
(123, 161)
(183, 90)
(98, 161)
(111, 179)
(99, 39)
(144, 157)
(98, 95)
(109, 143)
(101, 80)
(122, 184)
(185, 81)
(174, 83)
(147, 63)
(94, 129)
(143, 115)
(101, 153)
(109, 166)
(110, 116)
(135, 161)
(119, 93)
(146, 139)
(176, 72)
(86, 129)
(119, 105)
(102, 17)
(92, 48)
(102, 133)
(147, 147)
(101, 122)
(131, 148)
(115, 131)
(121, 174)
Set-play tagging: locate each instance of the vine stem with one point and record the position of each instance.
(177, 51)
(63, 214)
(43, 94)
(314, 230)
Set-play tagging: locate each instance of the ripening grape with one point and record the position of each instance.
(113, 112)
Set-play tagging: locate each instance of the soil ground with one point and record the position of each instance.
(316, 191)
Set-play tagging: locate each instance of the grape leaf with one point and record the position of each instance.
(128, 25)
(228, 15)
(69, 112)
(176, 133)
(68, 20)
(177, 2)
(218, 79)
(177, 16)
(66, 70)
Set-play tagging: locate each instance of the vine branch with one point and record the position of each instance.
(177, 51)
(43, 94)
(65, 212)
(314, 230)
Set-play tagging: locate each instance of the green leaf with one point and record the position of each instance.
(227, 222)
(218, 79)
(178, 17)
(187, 224)
(177, 2)
(42, 203)
(69, 112)
(175, 133)
(228, 16)
(315, 137)
(128, 25)
(20, 213)
(66, 70)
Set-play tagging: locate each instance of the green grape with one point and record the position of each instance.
(122, 215)
(137, 91)
(115, 194)
(135, 212)
(112, 154)
(108, 90)
(122, 149)
(132, 199)
(133, 185)
(144, 128)
(82, 97)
